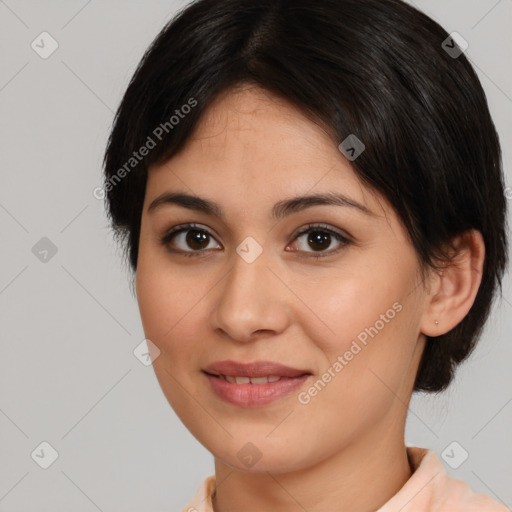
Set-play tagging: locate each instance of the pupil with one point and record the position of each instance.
(195, 236)
(318, 238)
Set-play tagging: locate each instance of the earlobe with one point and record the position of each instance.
(456, 285)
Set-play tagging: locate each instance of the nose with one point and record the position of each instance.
(251, 301)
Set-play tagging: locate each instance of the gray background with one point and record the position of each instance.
(69, 325)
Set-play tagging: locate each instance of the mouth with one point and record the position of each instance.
(270, 370)
(253, 380)
(253, 384)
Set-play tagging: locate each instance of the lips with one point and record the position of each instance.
(254, 384)
(256, 369)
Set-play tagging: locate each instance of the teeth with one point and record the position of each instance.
(252, 380)
(259, 380)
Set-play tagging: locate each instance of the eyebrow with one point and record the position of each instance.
(279, 210)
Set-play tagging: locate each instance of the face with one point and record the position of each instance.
(330, 290)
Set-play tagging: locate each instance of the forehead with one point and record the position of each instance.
(249, 111)
(250, 145)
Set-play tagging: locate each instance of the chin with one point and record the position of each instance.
(261, 457)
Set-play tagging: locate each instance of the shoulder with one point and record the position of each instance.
(202, 501)
(456, 495)
(431, 489)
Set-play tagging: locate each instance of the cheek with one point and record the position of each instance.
(341, 308)
(360, 325)
(162, 299)
(153, 306)
(168, 317)
(172, 311)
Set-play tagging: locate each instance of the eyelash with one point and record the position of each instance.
(309, 228)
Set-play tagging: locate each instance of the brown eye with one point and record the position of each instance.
(196, 239)
(188, 239)
(319, 239)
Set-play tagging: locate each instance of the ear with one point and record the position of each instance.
(453, 290)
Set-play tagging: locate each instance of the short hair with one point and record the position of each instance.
(377, 69)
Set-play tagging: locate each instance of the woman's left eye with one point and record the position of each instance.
(320, 238)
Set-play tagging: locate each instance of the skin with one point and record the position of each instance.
(249, 151)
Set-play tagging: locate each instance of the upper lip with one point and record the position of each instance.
(255, 369)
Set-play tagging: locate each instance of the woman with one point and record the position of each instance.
(311, 198)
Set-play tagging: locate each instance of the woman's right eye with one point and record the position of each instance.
(187, 235)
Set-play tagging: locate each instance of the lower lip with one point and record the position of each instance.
(254, 395)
